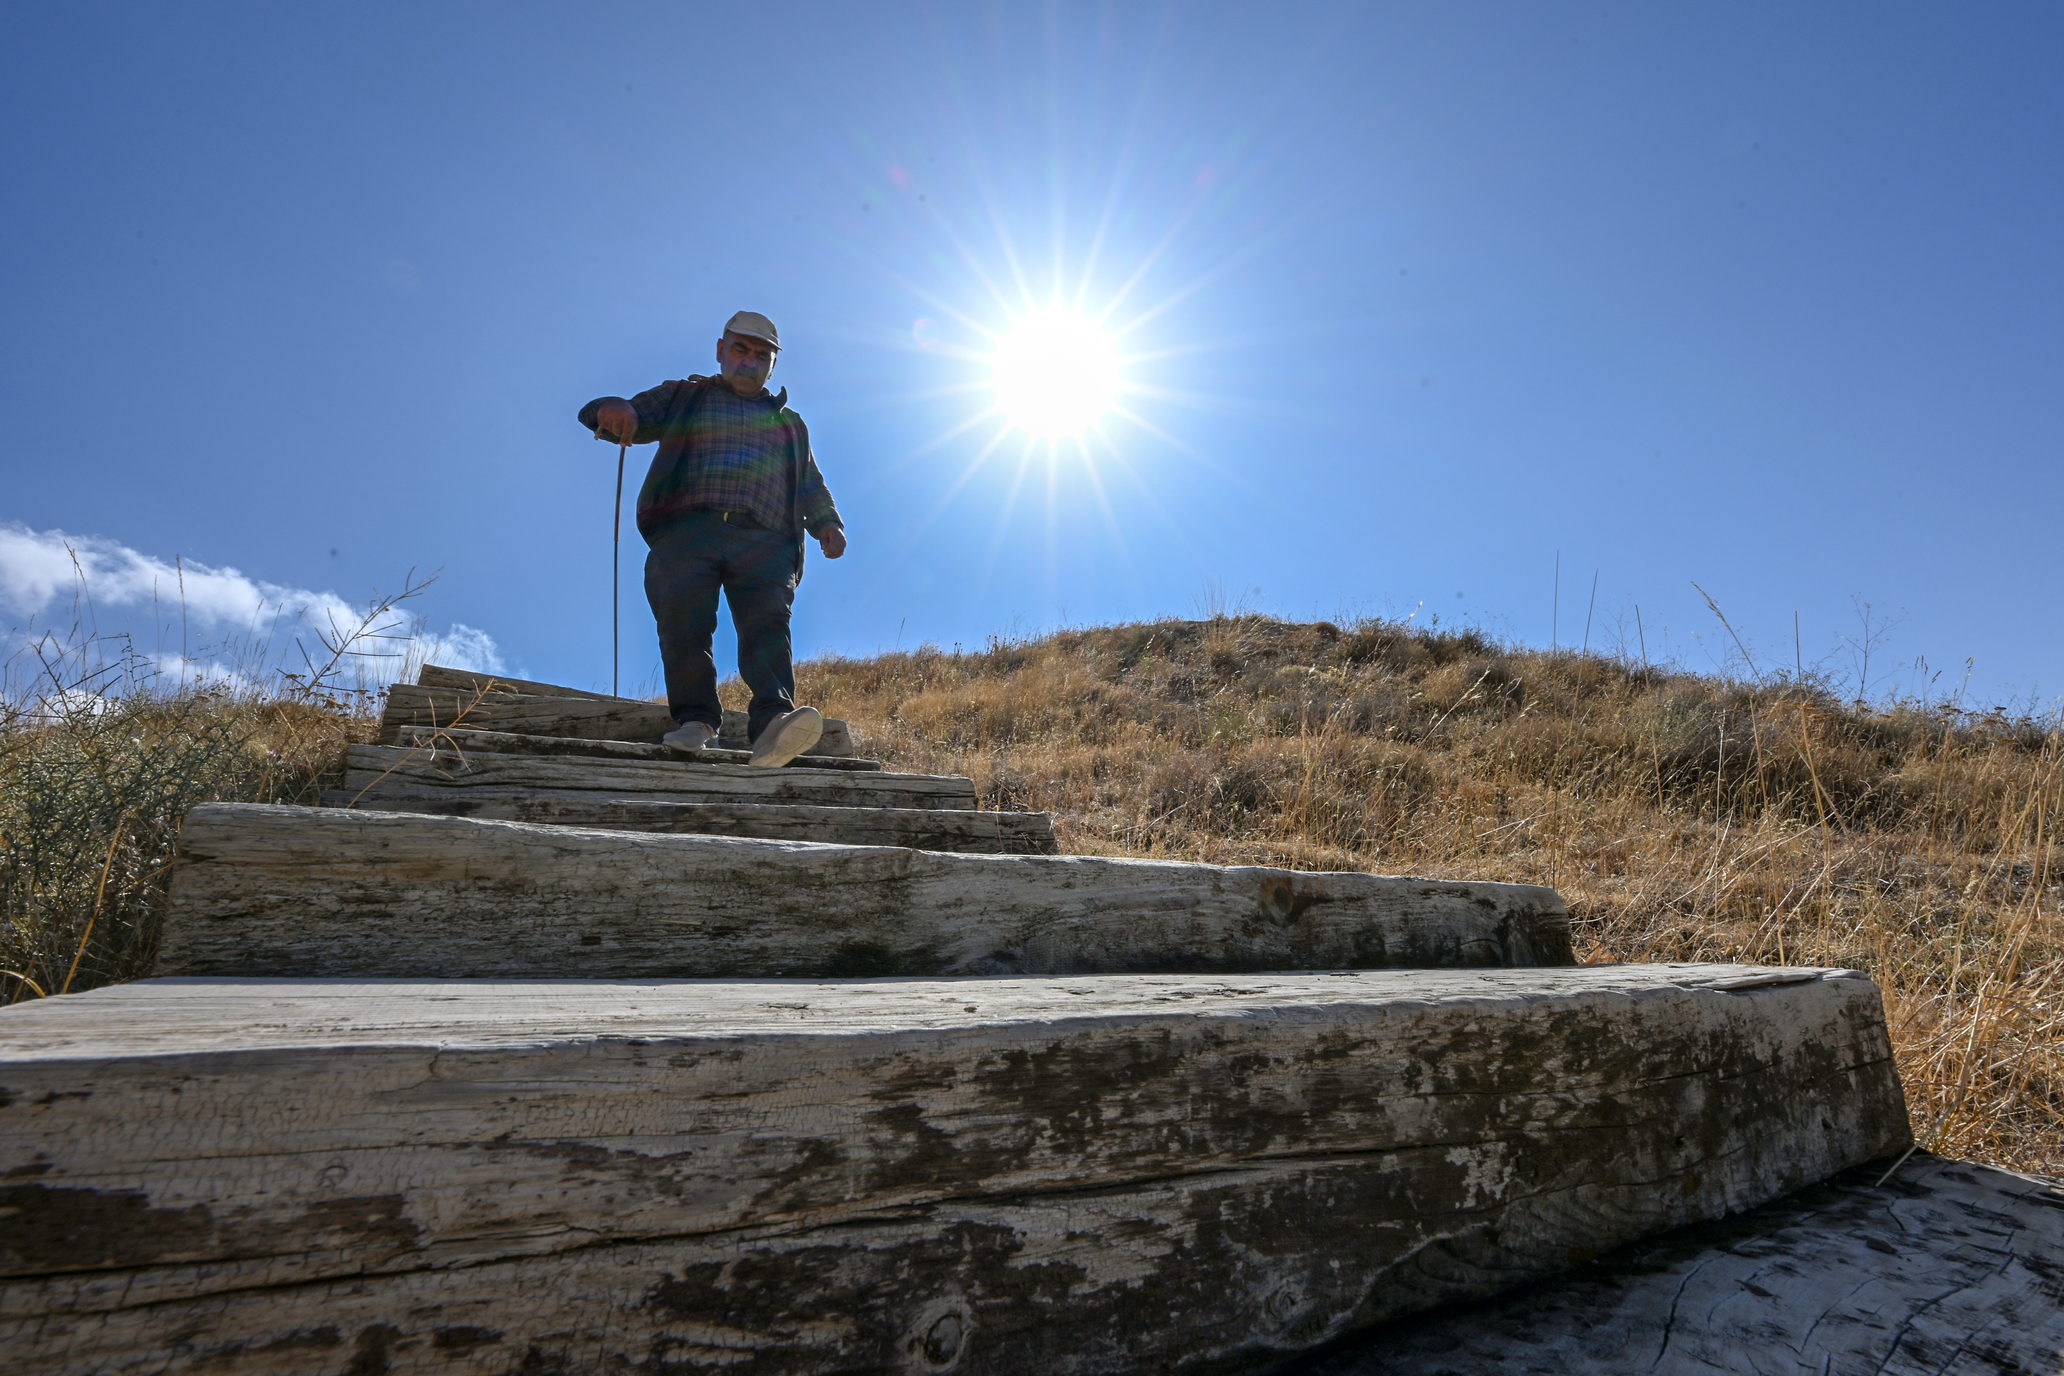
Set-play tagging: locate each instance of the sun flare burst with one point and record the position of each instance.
(1055, 374)
(1052, 359)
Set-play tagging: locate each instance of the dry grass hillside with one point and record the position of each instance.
(1682, 816)
(90, 801)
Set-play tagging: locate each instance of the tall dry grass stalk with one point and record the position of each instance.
(1683, 817)
(90, 802)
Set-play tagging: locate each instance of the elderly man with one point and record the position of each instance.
(725, 505)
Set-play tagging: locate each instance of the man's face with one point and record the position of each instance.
(747, 362)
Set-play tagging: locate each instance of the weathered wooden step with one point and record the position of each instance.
(576, 718)
(373, 771)
(491, 702)
(268, 890)
(1947, 1266)
(439, 676)
(1177, 1174)
(465, 742)
(974, 833)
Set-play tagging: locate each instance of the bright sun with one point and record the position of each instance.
(1056, 374)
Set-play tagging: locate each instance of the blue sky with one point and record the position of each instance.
(1766, 298)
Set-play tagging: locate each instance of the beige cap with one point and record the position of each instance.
(753, 325)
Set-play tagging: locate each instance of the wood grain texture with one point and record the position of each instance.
(1949, 1268)
(438, 676)
(973, 833)
(582, 719)
(1181, 1174)
(441, 691)
(462, 741)
(269, 890)
(396, 771)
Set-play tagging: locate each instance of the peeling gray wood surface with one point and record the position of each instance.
(443, 691)
(602, 719)
(395, 770)
(1169, 1173)
(974, 833)
(1948, 1269)
(465, 741)
(270, 890)
(438, 676)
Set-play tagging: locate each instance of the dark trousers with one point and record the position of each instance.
(758, 571)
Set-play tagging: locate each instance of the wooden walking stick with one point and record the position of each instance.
(616, 567)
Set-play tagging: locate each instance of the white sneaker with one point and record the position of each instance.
(787, 736)
(693, 736)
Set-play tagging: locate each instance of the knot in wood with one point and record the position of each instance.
(942, 1343)
(940, 1336)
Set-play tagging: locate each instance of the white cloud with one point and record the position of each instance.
(461, 647)
(78, 587)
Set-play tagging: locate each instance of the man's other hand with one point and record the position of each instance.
(617, 421)
(833, 542)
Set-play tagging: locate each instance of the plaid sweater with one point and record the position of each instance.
(719, 451)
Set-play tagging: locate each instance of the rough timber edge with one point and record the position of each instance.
(457, 764)
(463, 739)
(491, 1014)
(266, 889)
(467, 680)
(839, 737)
(934, 829)
(1268, 1304)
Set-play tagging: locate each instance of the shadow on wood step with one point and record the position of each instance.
(438, 676)
(448, 697)
(971, 833)
(374, 771)
(271, 890)
(1172, 1174)
(464, 741)
(572, 718)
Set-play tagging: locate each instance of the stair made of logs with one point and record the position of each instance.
(461, 744)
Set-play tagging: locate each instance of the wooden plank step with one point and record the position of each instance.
(606, 719)
(973, 833)
(1171, 1174)
(1946, 1266)
(510, 743)
(438, 676)
(492, 702)
(374, 771)
(271, 890)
